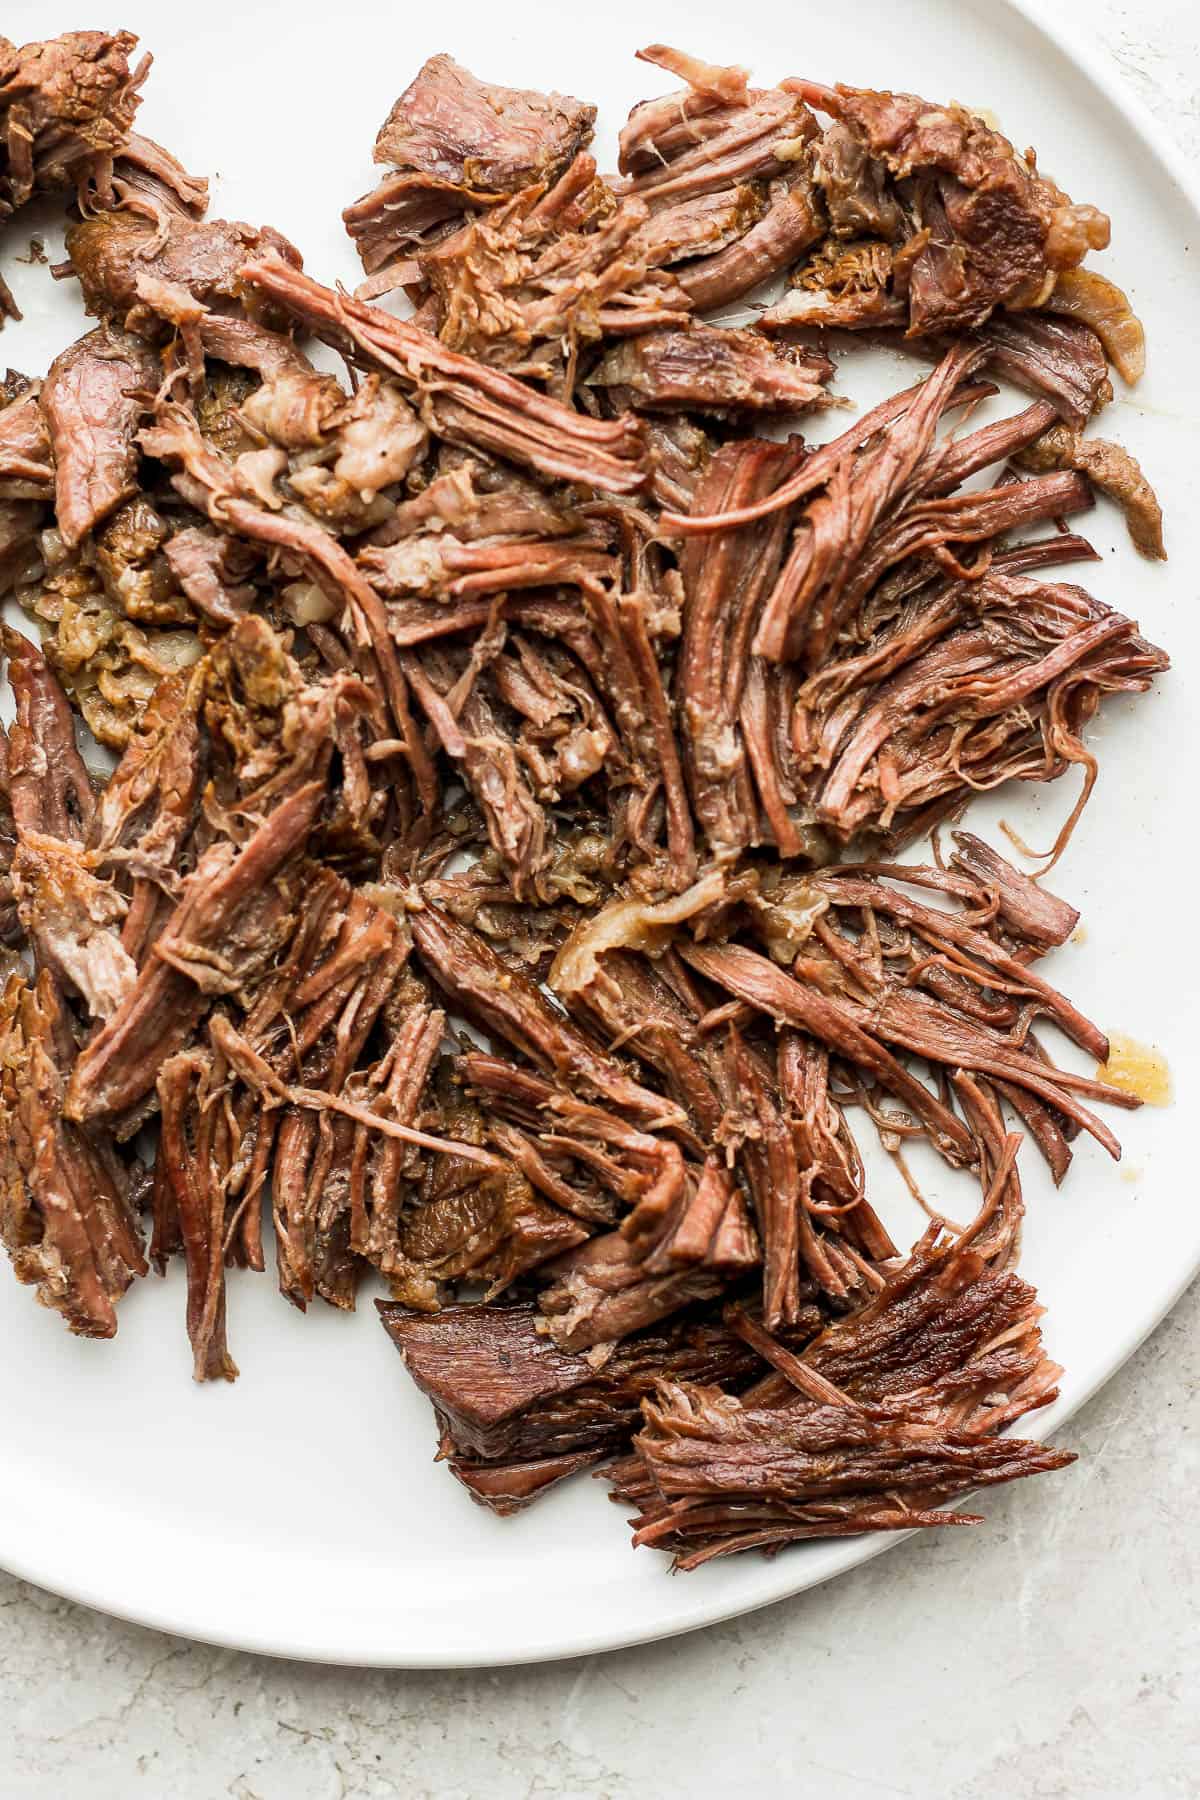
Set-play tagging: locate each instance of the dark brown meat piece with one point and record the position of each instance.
(842, 997)
(63, 104)
(879, 1422)
(92, 401)
(1030, 911)
(862, 479)
(65, 1214)
(194, 1157)
(205, 564)
(1050, 356)
(726, 172)
(492, 1230)
(455, 144)
(603, 1291)
(844, 286)
(211, 482)
(979, 227)
(518, 1415)
(700, 227)
(472, 736)
(230, 917)
(113, 251)
(528, 284)
(789, 225)
(726, 579)
(505, 1002)
(450, 125)
(708, 370)
(483, 408)
(939, 684)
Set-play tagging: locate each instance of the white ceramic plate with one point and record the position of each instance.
(300, 1511)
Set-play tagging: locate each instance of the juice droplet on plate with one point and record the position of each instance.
(1139, 1069)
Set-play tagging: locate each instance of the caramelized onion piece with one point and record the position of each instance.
(1100, 303)
(1114, 471)
(628, 925)
(1074, 230)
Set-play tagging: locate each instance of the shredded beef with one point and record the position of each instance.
(497, 889)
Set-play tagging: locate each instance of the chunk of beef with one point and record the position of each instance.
(114, 253)
(457, 143)
(92, 401)
(974, 225)
(63, 104)
(481, 407)
(518, 1415)
(880, 1421)
(708, 370)
(26, 458)
(456, 128)
(65, 1213)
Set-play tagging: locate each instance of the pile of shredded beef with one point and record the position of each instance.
(497, 885)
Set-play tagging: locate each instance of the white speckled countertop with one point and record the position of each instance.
(1054, 1653)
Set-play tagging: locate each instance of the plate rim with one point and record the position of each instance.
(787, 1577)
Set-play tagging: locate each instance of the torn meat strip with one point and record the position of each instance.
(974, 226)
(941, 1008)
(195, 1154)
(65, 1212)
(919, 1384)
(47, 782)
(64, 103)
(803, 613)
(457, 143)
(92, 401)
(518, 1415)
(1054, 357)
(708, 370)
(481, 407)
(505, 1002)
(971, 684)
(706, 148)
(229, 918)
(788, 226)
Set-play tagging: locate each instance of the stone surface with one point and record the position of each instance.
(1053, 1653)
